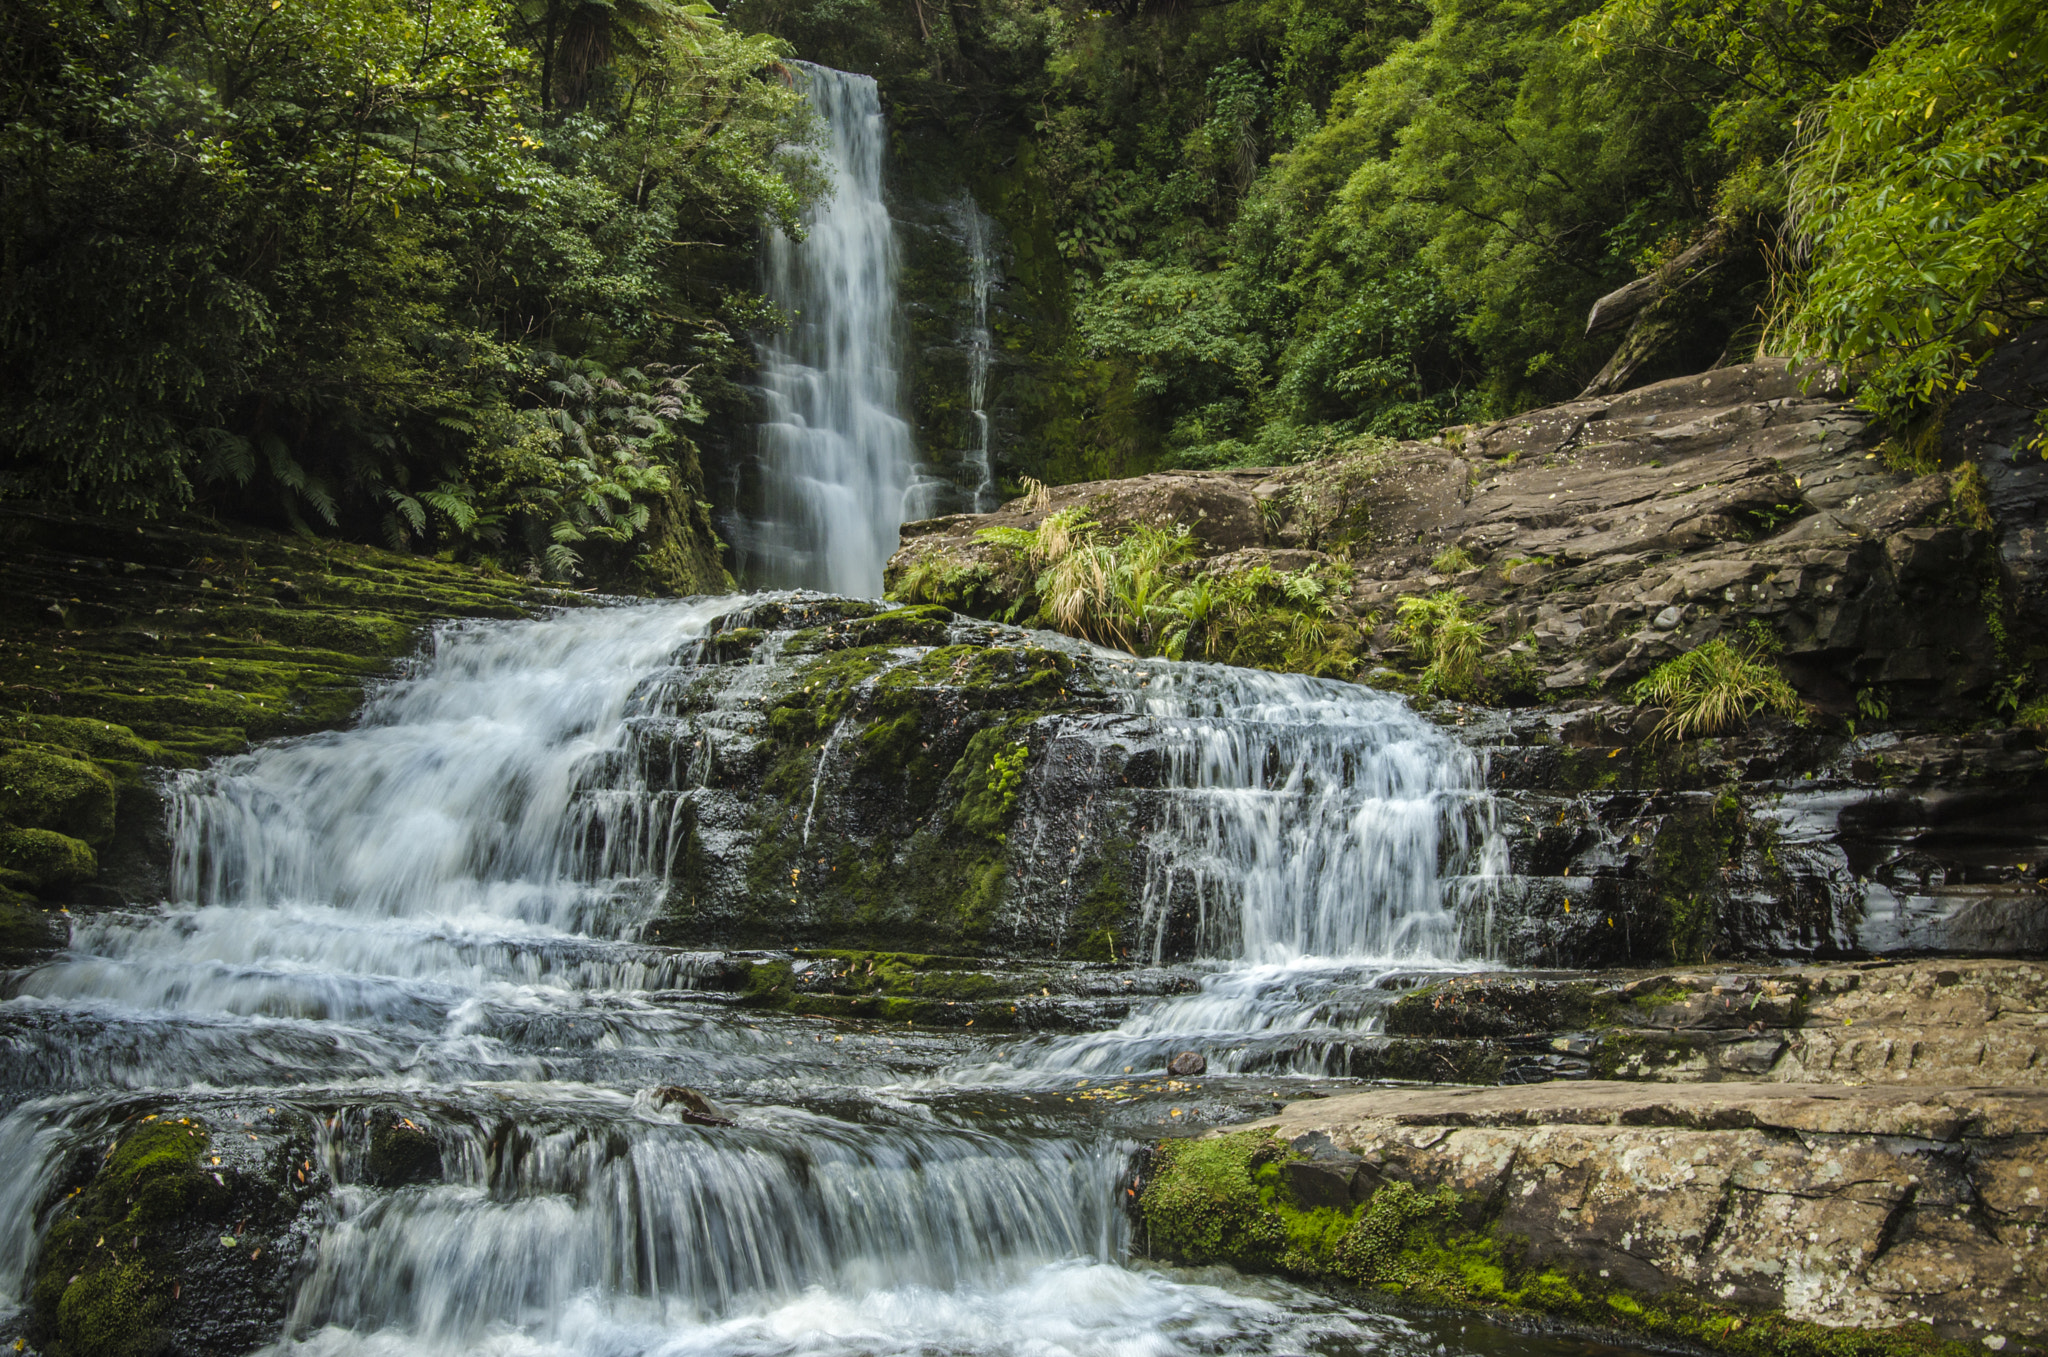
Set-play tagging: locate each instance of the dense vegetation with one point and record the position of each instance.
(450, 272)
(476, 277)
(1252, 231)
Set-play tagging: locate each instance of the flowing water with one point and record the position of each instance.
(977, 238)
(434, 915)
(836, 454)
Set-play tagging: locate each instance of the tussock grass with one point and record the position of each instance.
(1715, 688)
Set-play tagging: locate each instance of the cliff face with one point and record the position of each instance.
(1896, 583)
(1603, 537)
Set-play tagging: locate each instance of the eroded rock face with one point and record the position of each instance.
(1920, 1024)
(846, 776)
(1606, 536)
(1682, 1213)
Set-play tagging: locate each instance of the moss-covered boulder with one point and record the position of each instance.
(46, 787)
(176, 1234)
(26, 929)
(858, 775)
(45, 859)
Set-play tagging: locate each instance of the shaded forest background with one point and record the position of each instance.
(477, 278)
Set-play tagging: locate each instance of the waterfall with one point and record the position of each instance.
(836, 453)
(1322, 835)
(435, 915)
(1310, 818)
(977, 238)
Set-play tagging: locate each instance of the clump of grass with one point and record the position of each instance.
(1037, 494)
(1447, 636)
(1452, 560)
(1716, 688)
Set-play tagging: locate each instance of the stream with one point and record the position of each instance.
(408, 915)
(436, 919)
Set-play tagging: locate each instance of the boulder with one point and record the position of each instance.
(691, 1106)
(1187, 1064)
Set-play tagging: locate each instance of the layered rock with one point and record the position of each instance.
(1753, 1217)
(1921, 1024)
(1605, 536)
(133, 648)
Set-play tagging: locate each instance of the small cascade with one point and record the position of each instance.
(977, 237)
(836, 454)
(684, 1225)
(1324, 838)
(1310, 819)
(438, 916)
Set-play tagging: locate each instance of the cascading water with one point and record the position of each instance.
(836, 454)
(977, 239)
(432, 917)
(1323, 835)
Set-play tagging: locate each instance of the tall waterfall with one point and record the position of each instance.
(977, 239)
(836, 452)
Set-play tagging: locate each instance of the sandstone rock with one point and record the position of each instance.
(1187, 1064)
(1835, 1206)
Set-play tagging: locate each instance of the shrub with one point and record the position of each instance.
(1447, 637)
(1717, 687)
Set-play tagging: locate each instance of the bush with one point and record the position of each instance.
(1715, 688)
(1447, 637)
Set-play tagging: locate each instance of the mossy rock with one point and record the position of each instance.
(44, 787)
(100, 1284)
(100, 739)
(49, 860)
(26, 931)
(1223, 1198)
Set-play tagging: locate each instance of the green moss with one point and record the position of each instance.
(1220, 1199)
(112, 1311)
(47, 787)
(49, 860)
(100, 1283)
(25, 931)
(1201, 1205)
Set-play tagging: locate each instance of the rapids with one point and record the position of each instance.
(434, 914)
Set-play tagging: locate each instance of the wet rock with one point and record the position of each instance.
(185, 1234)
(401, 1152)
(1826, 1212)
(1336, 1182)
(691, 1106)
(1919, 1024)
(1187, 1064)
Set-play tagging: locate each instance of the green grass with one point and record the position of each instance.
(1714, 689)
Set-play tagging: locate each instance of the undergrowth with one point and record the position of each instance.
(1716, 688)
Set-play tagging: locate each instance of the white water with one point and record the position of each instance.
(977, 238)
(432, 913)
(836, 453)
(1325, 835)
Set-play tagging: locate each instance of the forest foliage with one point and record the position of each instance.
(441, 271)
(476, 274)
(1280, 224)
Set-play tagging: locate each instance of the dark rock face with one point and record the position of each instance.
(185, 1235)
(690, 1105)
(840, 775)
(401, 1152)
